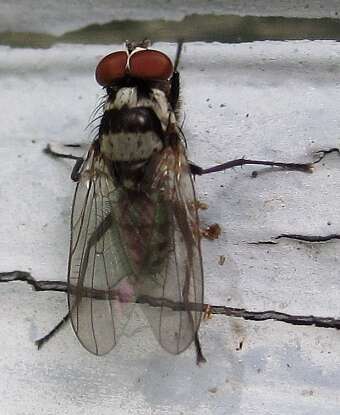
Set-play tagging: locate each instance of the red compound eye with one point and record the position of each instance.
(150, 64)
(111, 67)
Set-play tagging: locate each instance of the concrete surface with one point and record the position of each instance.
(58, 17)
(270, 100)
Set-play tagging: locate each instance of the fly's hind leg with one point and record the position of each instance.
(40, 342)
(199, 171)
(99, 232)
(55, 151)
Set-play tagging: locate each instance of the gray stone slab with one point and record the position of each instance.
(269, 100)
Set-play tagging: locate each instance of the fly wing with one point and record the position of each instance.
(172, 288)
(100, 282)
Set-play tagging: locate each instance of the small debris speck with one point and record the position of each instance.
(212, 232)
(201, 205)
(307, 393)
(240, 346)
(221, 260)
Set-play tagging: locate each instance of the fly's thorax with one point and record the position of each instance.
(134, 123)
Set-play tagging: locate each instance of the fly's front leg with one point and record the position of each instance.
(54, 151)
(63, 150)
(199, 171)
(75, 174)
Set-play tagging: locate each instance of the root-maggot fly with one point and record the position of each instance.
(135, 230)
(135, 235)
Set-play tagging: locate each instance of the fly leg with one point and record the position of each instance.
(40, 342)
(53, 151)
(199, 171)
(174, 90)
(99, 233)
(63, 150)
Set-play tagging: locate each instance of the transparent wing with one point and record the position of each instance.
(171, 287)
(101, 285)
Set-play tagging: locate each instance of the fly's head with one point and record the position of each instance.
(139, 113)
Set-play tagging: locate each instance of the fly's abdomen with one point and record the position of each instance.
(145, 227)
(159, 243)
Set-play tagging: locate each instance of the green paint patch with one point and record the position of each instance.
(208, 28)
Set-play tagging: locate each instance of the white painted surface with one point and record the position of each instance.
(291, 93)
(57, 17)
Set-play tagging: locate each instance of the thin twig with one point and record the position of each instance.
(40, 342)
(37, 285)
(301, 238)
(321, 154)
(60, 286)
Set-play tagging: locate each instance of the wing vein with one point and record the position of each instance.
(110, 302)
(82, 270)
(93, 268)
(179, 297)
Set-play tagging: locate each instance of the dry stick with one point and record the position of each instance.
(321, 154)
(40, 342)
(297, 237)
(325, 322)
(309, 238)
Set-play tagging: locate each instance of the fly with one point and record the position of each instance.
(135, 233)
